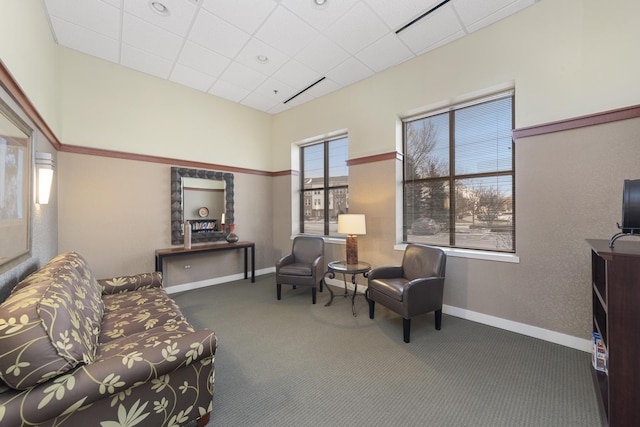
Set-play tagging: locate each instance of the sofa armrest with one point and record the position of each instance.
(131, 283)
(105, 379)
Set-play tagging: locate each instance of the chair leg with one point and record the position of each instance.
(406, 328)
(313, 294)
(279, 291)
(372, 308)
(438, 319)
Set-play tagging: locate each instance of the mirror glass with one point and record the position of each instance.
(201, 197)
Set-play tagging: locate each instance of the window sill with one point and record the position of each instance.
(472, 254)
(327, 239)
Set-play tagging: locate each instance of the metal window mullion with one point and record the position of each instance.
(513, 176)
(452, 171)
(326, 188)
(302, 191)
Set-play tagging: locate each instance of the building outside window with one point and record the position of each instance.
(459, 177)
(325, 185)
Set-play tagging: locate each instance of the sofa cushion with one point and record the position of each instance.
(50, 324)
(132, 319)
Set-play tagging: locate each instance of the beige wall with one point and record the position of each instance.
(107, 106)
(116, 213)
(29, 52)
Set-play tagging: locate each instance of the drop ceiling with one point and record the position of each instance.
(270, 55)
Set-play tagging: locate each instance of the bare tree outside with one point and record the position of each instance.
(468, 203)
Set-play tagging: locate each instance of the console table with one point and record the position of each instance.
(161, 254)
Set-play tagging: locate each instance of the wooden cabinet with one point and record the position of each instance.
(615, 276)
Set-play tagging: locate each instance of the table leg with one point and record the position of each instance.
(246, 250)
(330, 274)
(353, 297)
(253, 263)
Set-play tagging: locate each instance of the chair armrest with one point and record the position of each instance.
(318, 266)
(108, 377)
(285, 260)
(388, 272)
(428, 287)
(132, 282)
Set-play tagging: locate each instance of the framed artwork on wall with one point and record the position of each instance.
(15, 186)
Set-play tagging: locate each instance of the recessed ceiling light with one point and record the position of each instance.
(319, 2)
(159, 8)
(262, 59)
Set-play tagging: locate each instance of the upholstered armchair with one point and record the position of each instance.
(304, 266)
(416, 287)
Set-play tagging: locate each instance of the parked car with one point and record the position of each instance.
(424, 226)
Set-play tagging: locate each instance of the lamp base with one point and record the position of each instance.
(352, 249)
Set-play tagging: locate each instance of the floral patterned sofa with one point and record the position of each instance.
(118, 352)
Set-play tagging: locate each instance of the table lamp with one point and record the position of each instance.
(352, 225)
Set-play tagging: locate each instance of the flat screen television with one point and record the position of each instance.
(630, 210)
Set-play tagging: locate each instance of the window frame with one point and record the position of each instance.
(451, 178)
(326, 187)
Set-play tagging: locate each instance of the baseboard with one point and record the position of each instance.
(485, 319)
(216, 281)
(521, 328)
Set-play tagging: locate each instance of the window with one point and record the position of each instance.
(325, 189)
(459, 186)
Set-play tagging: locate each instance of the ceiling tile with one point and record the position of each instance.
(357, 29)
(247, 15)
(84, 40)
(385, 53)
(475, 18)
(189, 77)
(275, 90)
(298, 100)
(296, 75)
(229, 91)
(432, 29)
(350, 71)
(143, 61)
(255, 48)
(442, 42)
(259, 102)
(200, 59)
(243, 76)
(398, 13)
(178, 20)
(286, 31)
(213, 45)
(217, 35)
(94, 15)
(319, 17)
(322, 55)
(324, 87)
(148, 37)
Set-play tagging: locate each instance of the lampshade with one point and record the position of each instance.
(44, 166)
(352, 224)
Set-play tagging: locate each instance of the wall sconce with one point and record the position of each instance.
(352, 225)
(44, 168)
